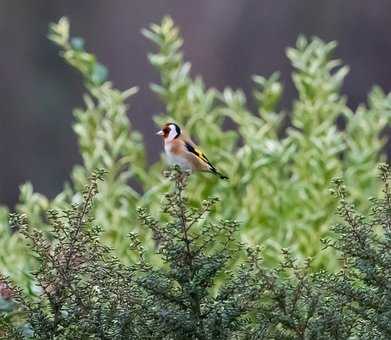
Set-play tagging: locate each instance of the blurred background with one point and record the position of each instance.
(226, 41)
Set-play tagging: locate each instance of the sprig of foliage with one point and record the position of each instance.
(84, 290)
(105, 141)
(352, 303)
(180, 302)
(365, 242)
(105, 138)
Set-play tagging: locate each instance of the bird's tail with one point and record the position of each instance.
(219, 174)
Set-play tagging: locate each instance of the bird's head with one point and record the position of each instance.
(169, 132)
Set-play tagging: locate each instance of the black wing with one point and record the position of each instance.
(198, 153)
(202, 156)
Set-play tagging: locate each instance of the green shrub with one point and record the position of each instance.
(85, 292)
(282, 182)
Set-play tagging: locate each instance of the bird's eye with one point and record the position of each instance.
(166, 130)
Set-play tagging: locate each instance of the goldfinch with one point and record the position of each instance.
(182, 151)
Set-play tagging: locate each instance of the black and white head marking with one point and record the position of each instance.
(175, 132)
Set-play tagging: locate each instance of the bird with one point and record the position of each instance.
(182, 151)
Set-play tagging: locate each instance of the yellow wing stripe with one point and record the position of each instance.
(202, 156)
(198, 153)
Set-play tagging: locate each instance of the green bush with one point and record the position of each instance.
(281, 175)
(282, 182)
(86, 292)
(353, 303)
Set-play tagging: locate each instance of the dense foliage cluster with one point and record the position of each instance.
(83, 291)
(280, 171)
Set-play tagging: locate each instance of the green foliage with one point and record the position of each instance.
(282, 182)
(280, 175)
(365, 241)
(179, 300)
(353, 303)
(85, 292)
(83, 289)
(105, 139)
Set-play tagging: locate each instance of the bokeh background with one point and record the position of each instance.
(226, 40)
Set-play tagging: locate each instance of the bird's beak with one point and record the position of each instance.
(159, 133)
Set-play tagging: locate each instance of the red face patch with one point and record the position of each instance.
(166, 131)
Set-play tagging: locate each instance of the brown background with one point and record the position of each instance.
(226, 40)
